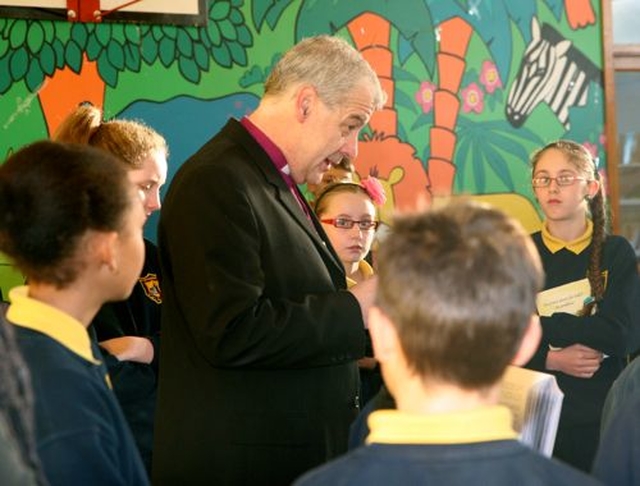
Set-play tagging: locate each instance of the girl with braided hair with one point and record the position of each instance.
(584, 348)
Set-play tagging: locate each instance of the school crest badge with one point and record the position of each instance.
(151, 287)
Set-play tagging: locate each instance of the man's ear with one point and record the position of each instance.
(529, 343)
(384, 336)
(304, 102)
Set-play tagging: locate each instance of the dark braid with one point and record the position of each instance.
(16, 399)
(594, 272)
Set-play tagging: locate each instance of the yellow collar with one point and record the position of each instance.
(479, 425)
(576, 246)
(365, 268)
(30, 313)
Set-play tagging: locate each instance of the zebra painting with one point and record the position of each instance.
(554, 72)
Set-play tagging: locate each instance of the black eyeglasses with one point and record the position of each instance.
(561, 180)
(345, 223)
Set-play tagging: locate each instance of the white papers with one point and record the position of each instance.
(535, 401)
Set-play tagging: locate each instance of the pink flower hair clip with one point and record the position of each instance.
(374, 189)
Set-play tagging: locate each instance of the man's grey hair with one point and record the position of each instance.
(330, 64)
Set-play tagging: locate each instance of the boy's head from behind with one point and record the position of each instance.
(457, 289)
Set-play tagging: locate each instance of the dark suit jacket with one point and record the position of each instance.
(258, 381)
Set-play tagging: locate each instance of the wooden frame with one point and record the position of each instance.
(55, 10)
(616, 57)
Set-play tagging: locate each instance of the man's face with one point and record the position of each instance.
(331, 134)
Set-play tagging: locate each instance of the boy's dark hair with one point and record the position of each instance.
(459, 283)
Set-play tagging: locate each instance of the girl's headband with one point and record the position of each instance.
(371, 186)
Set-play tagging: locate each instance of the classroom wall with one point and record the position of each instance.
(457, 74)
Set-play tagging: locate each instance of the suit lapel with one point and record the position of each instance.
(285, 197)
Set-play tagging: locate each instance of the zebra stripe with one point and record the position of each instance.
(552, 72)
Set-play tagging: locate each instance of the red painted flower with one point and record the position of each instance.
(424, 96)
(472, 98)
(489, 77)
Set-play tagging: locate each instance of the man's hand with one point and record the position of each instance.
(365, 292)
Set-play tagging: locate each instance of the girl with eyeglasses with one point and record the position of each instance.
(348, 213)
(584, 344)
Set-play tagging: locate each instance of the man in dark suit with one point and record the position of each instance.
(260, 336)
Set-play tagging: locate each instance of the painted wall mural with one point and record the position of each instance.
(473, 86)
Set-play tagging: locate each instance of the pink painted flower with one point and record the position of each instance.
(489, 77)
(374, 189)
(424, 96)
(473, 98)
(592, 148)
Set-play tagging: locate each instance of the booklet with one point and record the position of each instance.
(569, 298)
(535, 401)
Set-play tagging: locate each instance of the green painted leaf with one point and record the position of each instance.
(236, 17)
(204, 37)
(73, 56)
(228, 30)
(49, 30)
(149, 49)
(214, 34)
(115, 55)
(270, 12)
(238, 54)
(103, 34)
(79, 34)
(132, 59)
(222, 55)
(244, 35)
(406, 101)
(220, 10)
(18, 63)
(94, 48)
(156, 32)
(171, 31)
(107, 72)
(167, 51)
(17, 34)
(47, 59)
(117, 33)
(58, 48)
(132, 33)
(189, 69)
(34, 76)
(5, 75)
(35, 37)
(201, 56)
(184, 44)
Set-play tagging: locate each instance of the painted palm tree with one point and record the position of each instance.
(49, 56)
(455, 21)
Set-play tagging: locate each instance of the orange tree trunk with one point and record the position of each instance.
(63, 91)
